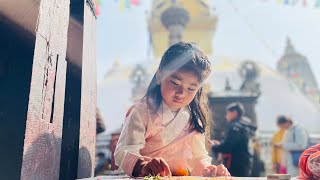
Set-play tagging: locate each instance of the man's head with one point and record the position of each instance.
(234, 111)
(284, 122)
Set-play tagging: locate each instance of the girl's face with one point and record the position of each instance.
(178, 88)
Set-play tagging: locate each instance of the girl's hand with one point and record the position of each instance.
(222, 171)
(157, 166)
(212, 171)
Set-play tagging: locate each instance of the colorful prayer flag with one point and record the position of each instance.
(304, 3)
(97, 7)
(121, 5)
(128, 4)
(135, 2)
(98, 10)
(294, 2)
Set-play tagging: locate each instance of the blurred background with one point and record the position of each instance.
(265, 54)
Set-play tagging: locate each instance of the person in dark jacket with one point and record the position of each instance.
(100, 128)
(236, 153)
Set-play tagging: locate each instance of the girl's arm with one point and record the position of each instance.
(200, 159)
(130, 142)
(201, 162)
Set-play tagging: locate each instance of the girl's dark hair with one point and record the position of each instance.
(186, 57)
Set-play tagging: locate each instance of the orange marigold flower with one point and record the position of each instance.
(182, 172)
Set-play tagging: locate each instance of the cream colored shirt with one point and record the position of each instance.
(161, 134)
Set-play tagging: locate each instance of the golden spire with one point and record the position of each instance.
(200, 27)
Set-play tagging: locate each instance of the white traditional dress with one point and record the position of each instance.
(161, 134)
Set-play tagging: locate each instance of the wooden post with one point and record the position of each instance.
(71, 124)
(86, 159)
(79, 127)
(42, 144)
(16, 57)
(48, 103)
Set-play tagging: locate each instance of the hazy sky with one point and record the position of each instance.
(254, 29)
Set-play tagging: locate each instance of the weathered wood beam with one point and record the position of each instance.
(79, 128)
(42, 144)
(16, 56)
(88, 101)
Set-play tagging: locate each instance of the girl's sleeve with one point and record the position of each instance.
(200, 159)
(131, 140)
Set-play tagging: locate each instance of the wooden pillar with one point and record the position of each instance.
(86, 159)
(79, 127)
(47, 104)
(42, 144)
(71, 124)
(16, 56)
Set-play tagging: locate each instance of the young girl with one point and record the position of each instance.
(163, 134)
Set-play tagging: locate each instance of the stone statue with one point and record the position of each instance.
(139, 78)
(249, 71)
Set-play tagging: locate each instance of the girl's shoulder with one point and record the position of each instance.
(140, 106)
(141, 111)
